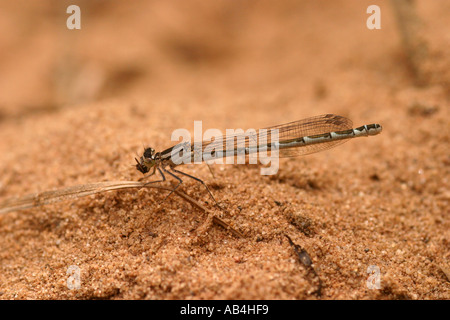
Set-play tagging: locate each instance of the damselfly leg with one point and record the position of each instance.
(198, 180)
(180, 181)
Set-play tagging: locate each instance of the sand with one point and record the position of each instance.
(77, 106)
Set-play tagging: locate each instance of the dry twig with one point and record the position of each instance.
(47, 197)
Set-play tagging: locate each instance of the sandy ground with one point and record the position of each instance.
(76, 106)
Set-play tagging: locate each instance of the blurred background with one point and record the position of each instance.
(273, 54)
(77, 106)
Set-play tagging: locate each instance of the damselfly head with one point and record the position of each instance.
(149, 153)
(147, 161)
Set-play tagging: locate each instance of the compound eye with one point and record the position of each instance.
(148, 153)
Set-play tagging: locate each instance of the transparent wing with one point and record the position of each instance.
(286, 132)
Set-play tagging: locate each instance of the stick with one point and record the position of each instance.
(74, 192)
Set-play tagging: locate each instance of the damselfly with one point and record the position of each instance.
(296, 138)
